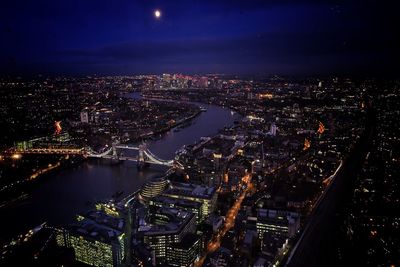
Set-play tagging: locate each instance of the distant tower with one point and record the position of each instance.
(273, 128)
(262, 156)
(57, 126)
(84, 117)
(320, 84)
(217, 160)
(114, 150)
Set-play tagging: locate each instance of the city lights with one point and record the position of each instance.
(199, 133)
(16, 156)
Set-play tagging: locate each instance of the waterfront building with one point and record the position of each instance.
(93, 243)
(153, 187)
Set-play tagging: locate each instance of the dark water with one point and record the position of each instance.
(60, 197)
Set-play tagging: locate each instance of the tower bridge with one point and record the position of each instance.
(144, 156)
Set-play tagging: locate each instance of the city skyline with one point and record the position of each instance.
(157, 133)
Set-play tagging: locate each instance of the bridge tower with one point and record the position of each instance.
(114, 151)
(141, 162)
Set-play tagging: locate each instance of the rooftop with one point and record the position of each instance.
(177, 202)
(90, 229)
(177, 220)
(192, 190)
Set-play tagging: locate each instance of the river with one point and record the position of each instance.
(65, 193)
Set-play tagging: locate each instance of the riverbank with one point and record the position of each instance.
(198, 102)
(65, 192)
(13, 195)
(168, 128)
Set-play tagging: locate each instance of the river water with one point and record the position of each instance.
(60, 197)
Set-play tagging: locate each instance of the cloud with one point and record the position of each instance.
(250, 49)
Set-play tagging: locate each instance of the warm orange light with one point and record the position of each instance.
(226, 178)
(16, 156)
(57, 126)
(217, 155)
(326, 181)
(321, 128)
(307, 144)
(266, 95)
(230, 217)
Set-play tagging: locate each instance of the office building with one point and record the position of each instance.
(207, 196)
(93, 243)
(167, 226)
(185, 252)
(153, 187)
(283, 223)
(183, 204)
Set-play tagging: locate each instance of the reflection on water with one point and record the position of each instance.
(60, 197)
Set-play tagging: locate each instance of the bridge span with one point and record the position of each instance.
(144, 155)
(114, 152)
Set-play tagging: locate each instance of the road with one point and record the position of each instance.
(230, 217)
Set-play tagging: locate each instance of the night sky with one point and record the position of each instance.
(207, 36)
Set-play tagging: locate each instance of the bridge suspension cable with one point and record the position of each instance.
(95, 154)
(154, 158)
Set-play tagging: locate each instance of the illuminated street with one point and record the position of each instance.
(229, 222)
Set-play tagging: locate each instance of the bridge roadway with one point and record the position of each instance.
(108, 154)
(59, 151)
(119, 158)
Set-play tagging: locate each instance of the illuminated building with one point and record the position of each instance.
(283, 223)
(221, 257)
(110, 208)
(307, 144)
(183, 204)
(185, 252)
(321, 128)
(266, 96)
(217, 160)
(167, 226)
(272, 130)
(153, 187)
(203, 82)
(205, 195)
(84, 117)
(93, 244)
(58, 128)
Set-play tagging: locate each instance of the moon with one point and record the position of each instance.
(157, 13)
